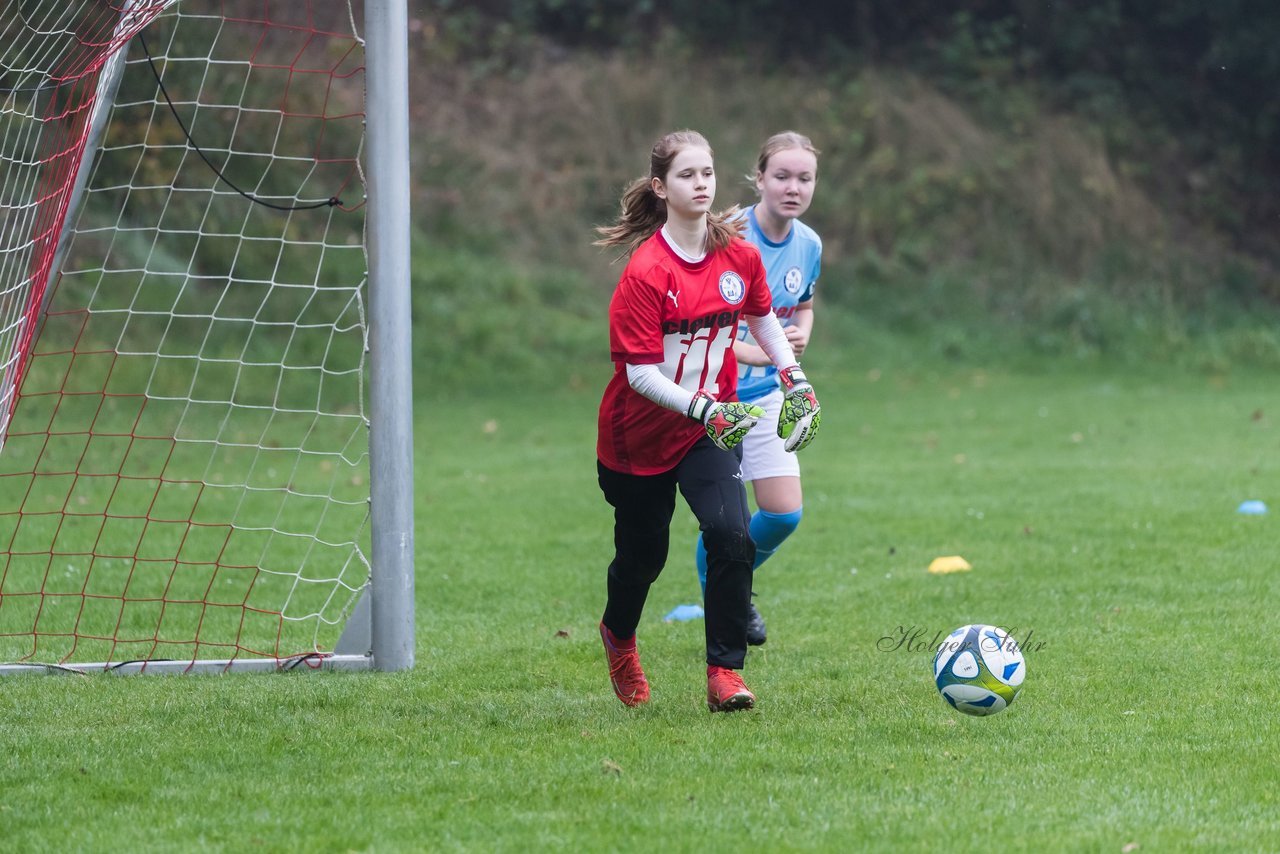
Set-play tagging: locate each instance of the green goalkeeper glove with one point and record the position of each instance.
(801, 414)
(727, 423)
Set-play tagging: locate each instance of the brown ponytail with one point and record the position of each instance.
(643, 213)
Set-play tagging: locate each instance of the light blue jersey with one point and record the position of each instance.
(791, 268)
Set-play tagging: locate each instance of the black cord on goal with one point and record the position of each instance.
(328, 203)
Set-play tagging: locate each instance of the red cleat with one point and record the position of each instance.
(726, 691)
(624, 669)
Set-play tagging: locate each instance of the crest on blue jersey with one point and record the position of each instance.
(732, 288)
(793, 281)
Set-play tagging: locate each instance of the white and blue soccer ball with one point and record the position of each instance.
(979, 669)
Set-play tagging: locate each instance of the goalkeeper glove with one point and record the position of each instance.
(801, 413)
(727, 423)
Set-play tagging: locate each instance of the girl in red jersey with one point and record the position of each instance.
(670, 419)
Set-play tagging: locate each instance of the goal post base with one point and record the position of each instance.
(315, 661)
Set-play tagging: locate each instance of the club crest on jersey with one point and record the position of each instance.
(732, 288)
(793, 281)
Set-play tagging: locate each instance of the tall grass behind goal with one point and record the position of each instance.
(186, 316)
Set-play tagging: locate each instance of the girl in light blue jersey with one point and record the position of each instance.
(786, 174)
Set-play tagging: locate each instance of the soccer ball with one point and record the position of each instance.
(979, 669)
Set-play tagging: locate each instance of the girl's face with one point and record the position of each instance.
(786, 185)
(690, 185)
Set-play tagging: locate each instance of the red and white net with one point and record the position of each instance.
(183, 432)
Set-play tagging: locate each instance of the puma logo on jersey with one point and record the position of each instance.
(675, 298)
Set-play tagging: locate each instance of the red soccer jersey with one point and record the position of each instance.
(680, 317)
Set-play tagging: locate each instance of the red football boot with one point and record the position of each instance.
(726, 691)
(624, 669)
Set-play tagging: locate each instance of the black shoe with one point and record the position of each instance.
(757, 634)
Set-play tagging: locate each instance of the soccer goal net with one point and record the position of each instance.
(185, 334)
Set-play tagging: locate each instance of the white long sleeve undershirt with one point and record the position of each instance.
(648, 381)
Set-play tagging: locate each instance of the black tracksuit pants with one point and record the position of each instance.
(710, 482)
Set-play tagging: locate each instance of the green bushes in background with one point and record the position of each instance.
(971, 206)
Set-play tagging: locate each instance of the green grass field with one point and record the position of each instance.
(1098, 512)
